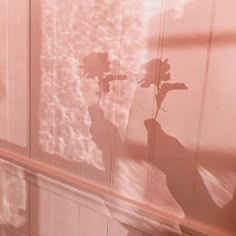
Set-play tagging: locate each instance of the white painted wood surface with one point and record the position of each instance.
(185, 168)
(14, 75)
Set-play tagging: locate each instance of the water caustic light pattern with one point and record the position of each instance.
(134, 96)
(122, 93)
(79, 59)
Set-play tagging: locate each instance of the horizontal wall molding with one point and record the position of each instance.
(100, 199)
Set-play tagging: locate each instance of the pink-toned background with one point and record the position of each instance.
(179, 160)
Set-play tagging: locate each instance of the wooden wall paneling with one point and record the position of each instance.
(41, 208)
(116, 228)
(101, 60)
(119, 140)
(18, 76)
(14, 205)
(68, 114)
(3, 74)
(174, 141)
(135, 100)
(4, 179)
(55, 54)
(216, 163)
(42, 107)
(64, 217)
(218, 124)
(92, 223)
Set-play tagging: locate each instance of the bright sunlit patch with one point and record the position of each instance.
(13, 201)
(220, 186)
(161, 195)
(178, 6)
(71, 31)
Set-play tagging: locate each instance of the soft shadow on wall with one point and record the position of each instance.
(170, 157)
(173, 163)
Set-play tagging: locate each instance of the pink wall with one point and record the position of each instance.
(135, 98)
(14, 79)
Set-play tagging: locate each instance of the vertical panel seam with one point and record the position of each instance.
(159, 55)
(7, 71)
(82, 74)
(204, 92)
(108, 226)
(29, 207)
(116, 100)
(52, 211)
(205, 83)
(54, 80)
(78, 221)
(29, 80)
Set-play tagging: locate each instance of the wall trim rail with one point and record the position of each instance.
(134, 213)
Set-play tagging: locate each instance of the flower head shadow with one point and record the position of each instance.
(96, 65)
(156, 72)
